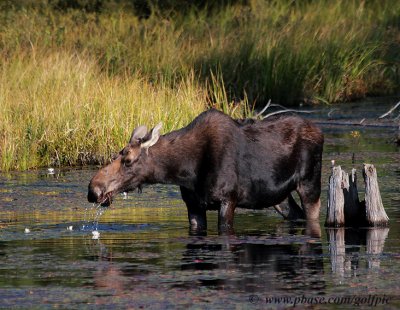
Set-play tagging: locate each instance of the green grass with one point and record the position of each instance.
(61, 110)
(73, 85)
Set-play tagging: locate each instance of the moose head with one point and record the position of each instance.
(128, 170)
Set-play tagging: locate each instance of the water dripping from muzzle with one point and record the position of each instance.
(92, 216)
(99, 212)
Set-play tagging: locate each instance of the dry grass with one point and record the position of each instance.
(73, 85)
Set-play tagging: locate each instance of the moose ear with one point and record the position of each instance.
(152, 137)
(138, 134)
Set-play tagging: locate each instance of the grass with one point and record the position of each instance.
(73, 85)
(60, 110)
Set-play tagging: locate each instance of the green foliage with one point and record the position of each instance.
(75, 80)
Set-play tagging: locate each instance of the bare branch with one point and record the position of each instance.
(357, 123)
(263, 110)
(278, 105)
(286, 111)
(390, 111)
(332, 110)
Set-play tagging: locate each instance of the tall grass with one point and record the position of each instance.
(73, 84)
(60, 109)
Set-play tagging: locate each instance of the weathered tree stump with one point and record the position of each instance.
(344, 206)
(335, 214)
(375, 212)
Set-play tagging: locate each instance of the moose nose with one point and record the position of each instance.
(94, 193)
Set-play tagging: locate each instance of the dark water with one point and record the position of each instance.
(145, 258)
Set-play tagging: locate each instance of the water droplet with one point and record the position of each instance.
(95, 234)
(92, 216)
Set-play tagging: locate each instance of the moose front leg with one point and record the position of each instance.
(197, 213)
(197, 221)
(225, 217)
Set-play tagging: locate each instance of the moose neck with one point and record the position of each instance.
(174, 160)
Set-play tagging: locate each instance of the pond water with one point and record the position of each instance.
(145, 257)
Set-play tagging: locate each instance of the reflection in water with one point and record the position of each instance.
(96, 250)
(295, 265)
(345, 246)
(337, 250)
(375, 242)
(107, 276)
(243, 264)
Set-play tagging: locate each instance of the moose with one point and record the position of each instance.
(221, 163)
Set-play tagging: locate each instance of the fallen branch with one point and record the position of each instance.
(390, 111)
(287, 111)
(332, 110)
(361, 123)
(284, 110)
(263, 110)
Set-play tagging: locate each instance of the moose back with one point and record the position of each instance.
(221, 163)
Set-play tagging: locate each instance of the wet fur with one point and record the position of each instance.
(221, 163)
(257, 163)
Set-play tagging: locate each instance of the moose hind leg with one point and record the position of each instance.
(225, 217)
(309, 190)
(309, 186)
(310, 199)
(309, 193)
(197, 214)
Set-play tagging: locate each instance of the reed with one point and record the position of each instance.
(73, 84)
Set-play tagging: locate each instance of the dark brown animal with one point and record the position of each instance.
(220, 164)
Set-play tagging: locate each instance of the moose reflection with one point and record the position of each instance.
(280, 261)
(277, 265)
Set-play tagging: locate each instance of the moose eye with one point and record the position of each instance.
(127, 162)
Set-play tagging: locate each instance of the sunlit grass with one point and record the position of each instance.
(73, 85)
(62, 110)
